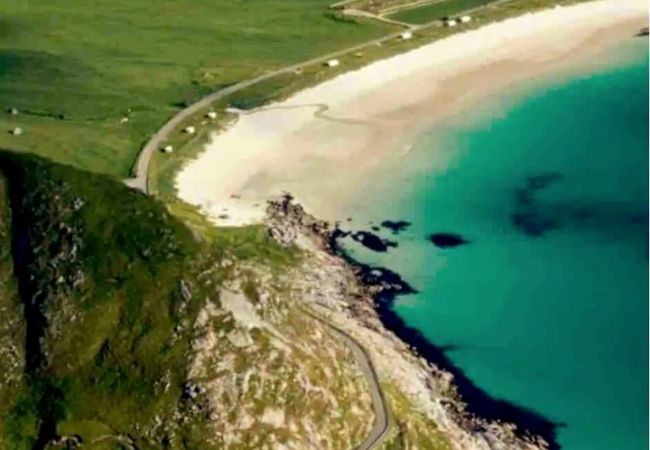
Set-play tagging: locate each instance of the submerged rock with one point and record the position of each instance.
(533, 223)
(447, 240)
(396, 226)
(362, 295)
(372, 241)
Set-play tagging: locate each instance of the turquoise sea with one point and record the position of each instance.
(546, 306)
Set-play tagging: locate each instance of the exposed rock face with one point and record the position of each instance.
(289, 223)
(169, 342)
(345, 293)
(260, 372)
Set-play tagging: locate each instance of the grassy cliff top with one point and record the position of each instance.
(101, 287)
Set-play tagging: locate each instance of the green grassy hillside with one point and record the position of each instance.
(99, 290)
(99, 273)
(74, 69)
(122, 328)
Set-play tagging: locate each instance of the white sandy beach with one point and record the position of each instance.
(319, 143)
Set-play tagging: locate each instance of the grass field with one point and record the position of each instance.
(163, 167)
(73, 69)
(438, 10)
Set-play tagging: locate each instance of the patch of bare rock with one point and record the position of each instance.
(333, 288)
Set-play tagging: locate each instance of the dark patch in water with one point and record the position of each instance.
(479, 402)
(535, 217)
(375, 228)
(529, 217)
(396, 226)
(583, 214)
(533, 224)
(372, 241)
(638, 218)
(447, 240)
(448, 348)
(544, 180)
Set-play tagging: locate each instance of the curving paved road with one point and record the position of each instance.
(140, 180)
(381, 426)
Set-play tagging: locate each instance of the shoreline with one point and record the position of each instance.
(321, 142)
(357, 298)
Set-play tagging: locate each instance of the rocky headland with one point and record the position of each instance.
(356, 298)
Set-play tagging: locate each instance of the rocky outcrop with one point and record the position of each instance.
(348, 294)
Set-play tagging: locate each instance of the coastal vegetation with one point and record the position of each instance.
(91, 85)
(437, 10)
(130, 321)
(111, 314)
(74, 72)
(412, 429)
(163, 167)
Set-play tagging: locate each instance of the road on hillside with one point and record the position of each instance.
(381, 426)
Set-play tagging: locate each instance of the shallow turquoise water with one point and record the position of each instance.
(551, 316)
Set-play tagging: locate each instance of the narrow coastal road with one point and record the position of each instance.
(141, 171)
(359, 13)
(381, 426)
(140, 180)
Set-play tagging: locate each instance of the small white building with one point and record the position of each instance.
(332, 63)
(189, 130)
(451, 23)
(13, 111)
(167, 149)
(17, 131)
(405, 36)
(211, 115)
(465, 19)
(124, 120)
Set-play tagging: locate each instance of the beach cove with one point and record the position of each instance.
(552, 254)
(318, 143)
(544, 301)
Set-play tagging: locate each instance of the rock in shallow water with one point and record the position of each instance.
(372, 241)
(447, 240)
(396, 225)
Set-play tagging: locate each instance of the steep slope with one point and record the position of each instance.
(121, 328)
(104, 352)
